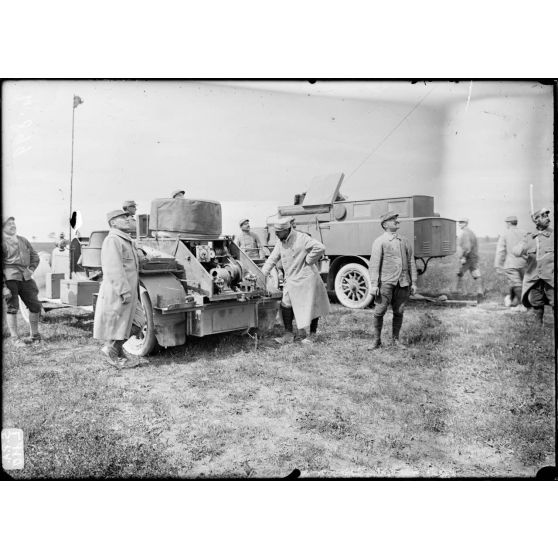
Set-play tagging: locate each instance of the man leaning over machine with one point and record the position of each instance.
(304, 294)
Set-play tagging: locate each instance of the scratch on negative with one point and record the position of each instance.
(469, 96)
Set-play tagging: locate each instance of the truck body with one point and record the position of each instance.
(348, 228)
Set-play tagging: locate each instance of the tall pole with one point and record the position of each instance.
(71, 194)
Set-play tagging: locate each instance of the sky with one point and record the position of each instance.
(475, 146)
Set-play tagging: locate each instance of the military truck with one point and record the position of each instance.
(347, 228)
(194, 281)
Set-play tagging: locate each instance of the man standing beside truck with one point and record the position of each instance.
(118, 294)
(393, 277)
(249, 242)
(304, 295)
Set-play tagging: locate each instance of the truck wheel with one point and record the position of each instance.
(352, 286)
(143, 343)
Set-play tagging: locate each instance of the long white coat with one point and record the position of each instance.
(120, 263)
(299, 254)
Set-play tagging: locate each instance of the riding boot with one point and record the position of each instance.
(480, 290)
(516, 296)
(459, 285)
(314, 326)
(11, 320)
(34, 334)
(378, 322)
(538, 313)
(288, 315)
(396, 327)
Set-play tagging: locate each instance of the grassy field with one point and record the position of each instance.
(471, 396)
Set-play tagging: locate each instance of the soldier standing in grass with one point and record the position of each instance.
(249, 242)
(19, 261)
(469, 257)
(118, 294)
(393, 276)
(538, 282)
(513, 266)
(304, 295)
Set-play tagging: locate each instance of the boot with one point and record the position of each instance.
(34, 335)
(480, 291)
(310, 338)
(377, 339)
(288, 315)
(538, 313)
(516, 295)
(396, 328)
(11, 320)
(459, 285)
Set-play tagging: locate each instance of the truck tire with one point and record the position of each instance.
(352, 286)
(144, 342)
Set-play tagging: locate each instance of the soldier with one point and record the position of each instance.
(249, 241)
(178, 194)
(304, 295)
(130, 208)
(393, 277)
(118, 295)
(62, 243)
(512, 266)
(19, 262)
(538, 282)
(469, 258)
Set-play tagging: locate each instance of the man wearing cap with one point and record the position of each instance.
(469, 260)
(118, 294)
(248, 241)
(178, 194)
(304, 295)
(393, 276)
(513, 266)
(130, 208)
(538, 282)
(19, 261)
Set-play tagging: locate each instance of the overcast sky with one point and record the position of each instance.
(475, 146)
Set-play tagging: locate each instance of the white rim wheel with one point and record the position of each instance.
(352, 286)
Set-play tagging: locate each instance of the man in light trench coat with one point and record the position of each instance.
(304, 295)
(118, 294)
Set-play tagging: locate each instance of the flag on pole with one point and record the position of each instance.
(77, 101)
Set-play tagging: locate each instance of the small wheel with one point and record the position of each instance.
(352, 286)
(143, 343)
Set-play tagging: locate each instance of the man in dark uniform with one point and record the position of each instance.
(393, 276)
(538, 282)
(19, 262)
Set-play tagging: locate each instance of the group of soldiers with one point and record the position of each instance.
(527, 259)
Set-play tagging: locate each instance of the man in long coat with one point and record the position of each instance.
(118, 295)
(304, 294)
(538, 282)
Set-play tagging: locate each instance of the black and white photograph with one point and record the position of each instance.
(261, 279)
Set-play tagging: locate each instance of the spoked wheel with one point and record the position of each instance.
(142, 344)
(352, 286)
